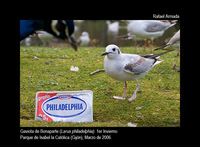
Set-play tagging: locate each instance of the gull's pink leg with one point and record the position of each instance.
(145, 44)
(151, 45)
(121, 98)
(125, 90)
(134, 94)
(175, 67)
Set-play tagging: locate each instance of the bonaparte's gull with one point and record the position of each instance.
(149, 29)
(128, 67)
(173, 44)
(84, 39)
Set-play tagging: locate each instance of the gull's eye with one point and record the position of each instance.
(113, 49)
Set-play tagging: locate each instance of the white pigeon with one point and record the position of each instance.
(84, 39)
(128, 67)
(149, 29)
(173, 44)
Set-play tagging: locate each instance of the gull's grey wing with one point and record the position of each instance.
(174, 39)
(155, 26)
(142, 65)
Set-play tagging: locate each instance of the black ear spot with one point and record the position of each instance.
(114, 49)
(118, 52)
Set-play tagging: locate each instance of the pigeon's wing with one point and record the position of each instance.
(141, 66)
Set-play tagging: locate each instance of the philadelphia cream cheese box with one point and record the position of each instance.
(64, 106)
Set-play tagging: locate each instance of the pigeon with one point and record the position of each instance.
(62, 29)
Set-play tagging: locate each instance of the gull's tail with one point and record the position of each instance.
(163, 47)
(159, 48)
(155, 55)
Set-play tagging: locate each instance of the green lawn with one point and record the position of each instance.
(48, 69)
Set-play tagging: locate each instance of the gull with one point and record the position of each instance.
(128, 67)
(127, 36)
(44, 37)
(130, 36)
(113, 28)
(149, 29)
(173, 44)
(84, 39)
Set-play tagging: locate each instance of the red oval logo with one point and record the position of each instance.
(64, 97)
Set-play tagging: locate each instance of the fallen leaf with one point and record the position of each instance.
(35, 57)
(131, 125)
(74, 68)
(138, 108)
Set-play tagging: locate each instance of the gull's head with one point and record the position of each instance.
(84, 34)
(112, 51)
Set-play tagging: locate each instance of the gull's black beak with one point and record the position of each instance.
(105, 53)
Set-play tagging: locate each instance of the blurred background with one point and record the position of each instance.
(101, 33)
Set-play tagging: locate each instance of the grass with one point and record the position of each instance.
(44, 68)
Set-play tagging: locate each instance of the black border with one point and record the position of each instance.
(125, 134)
